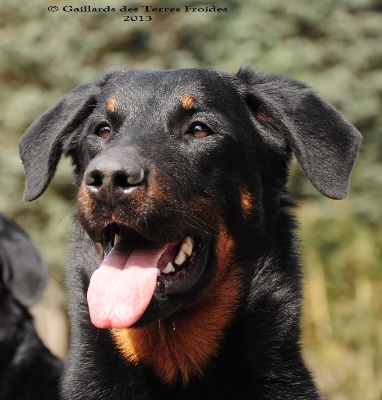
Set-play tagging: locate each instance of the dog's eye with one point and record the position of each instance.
(103, 131)
(199, 131)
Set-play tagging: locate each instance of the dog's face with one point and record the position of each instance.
(157, 178)
(173, 168)
(159, 154)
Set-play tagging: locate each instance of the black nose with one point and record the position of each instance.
(112, 178)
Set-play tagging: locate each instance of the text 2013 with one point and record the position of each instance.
(137, 18)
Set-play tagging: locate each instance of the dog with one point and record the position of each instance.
(28, 370)
(183, 273)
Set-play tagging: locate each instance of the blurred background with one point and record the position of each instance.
(334, 46)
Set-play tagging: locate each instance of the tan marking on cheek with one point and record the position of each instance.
(246, 201)
(99, 248)
(86, 207)
(111, 104)
(181, 346)
(158, 188)
(188, 102)
(225, 247)
(85, 202)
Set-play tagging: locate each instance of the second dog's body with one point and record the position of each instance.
(28, 370)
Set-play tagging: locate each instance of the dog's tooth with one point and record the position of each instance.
(181, 257)
(158, 272)
(116, 238)
(187, 245)
(169, 268)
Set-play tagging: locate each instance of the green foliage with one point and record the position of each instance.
(334, 46)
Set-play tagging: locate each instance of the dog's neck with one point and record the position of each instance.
(181, 346)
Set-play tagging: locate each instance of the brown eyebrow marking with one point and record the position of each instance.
(188, 102)
(110, 105)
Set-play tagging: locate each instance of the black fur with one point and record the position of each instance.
(28, 370)
(252, 122)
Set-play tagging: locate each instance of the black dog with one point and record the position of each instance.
(184, 276)
(28, 370)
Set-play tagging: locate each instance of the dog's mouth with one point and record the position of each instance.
(136, 272)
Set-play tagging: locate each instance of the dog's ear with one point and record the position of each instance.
(51, 134)
(23, 272)
(290, 115)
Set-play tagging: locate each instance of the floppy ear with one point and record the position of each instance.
(23, 271)
(290, 115)
(50, 135)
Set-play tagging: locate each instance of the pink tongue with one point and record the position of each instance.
(121, 288)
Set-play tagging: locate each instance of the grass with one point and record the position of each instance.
(343, 301)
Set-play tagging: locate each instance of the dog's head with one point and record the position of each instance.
(173, 167)
(23, 273)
